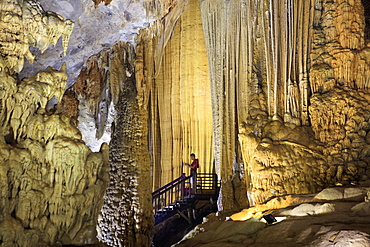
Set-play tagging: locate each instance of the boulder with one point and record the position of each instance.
(330, 194)
(310, 209)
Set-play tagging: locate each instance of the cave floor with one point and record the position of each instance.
(309, 221)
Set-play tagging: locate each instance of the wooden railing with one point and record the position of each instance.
(178, 189)
(171, 192)
(207, 182)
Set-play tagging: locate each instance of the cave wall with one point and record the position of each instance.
(291, 76)
(269, 66)
(51, 183)
(271, 95)
(182, 110)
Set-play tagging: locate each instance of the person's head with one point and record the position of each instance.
(192, 156)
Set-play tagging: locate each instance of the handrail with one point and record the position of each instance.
(169, 193)
(170, 184)
(207, 181)
(179, 188)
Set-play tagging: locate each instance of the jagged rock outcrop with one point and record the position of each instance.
(51, 183)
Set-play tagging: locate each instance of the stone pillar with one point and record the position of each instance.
(126, 214)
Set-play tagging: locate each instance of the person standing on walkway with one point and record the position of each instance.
(193, 172)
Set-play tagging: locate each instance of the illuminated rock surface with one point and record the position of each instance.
(302, 110)
(300, 222)
(51, 183)
(273, 96)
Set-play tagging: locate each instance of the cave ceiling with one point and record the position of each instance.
(97, 26)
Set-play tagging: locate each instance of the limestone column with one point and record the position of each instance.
(127, 218)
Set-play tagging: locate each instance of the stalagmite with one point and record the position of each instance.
(126, 213)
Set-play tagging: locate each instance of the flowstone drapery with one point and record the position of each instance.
(269, 60)
(181, 116)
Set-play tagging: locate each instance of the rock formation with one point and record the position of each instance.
(292, 66)
(51, 183)
(126, 213)
(272, 96)
(301, 220)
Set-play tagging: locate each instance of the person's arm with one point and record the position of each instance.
(194, 164)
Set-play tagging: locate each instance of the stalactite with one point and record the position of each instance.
(24, 24)
(275, 29)
(56, 183)
(285, 13)
(180, 101)
(248, 18)
(223, 48)
(267, 43)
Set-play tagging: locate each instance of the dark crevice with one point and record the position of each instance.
(9, 138)
(366, 4)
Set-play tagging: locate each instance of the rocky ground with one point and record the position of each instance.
(338, 216)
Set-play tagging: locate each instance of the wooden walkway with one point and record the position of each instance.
(175, 197)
